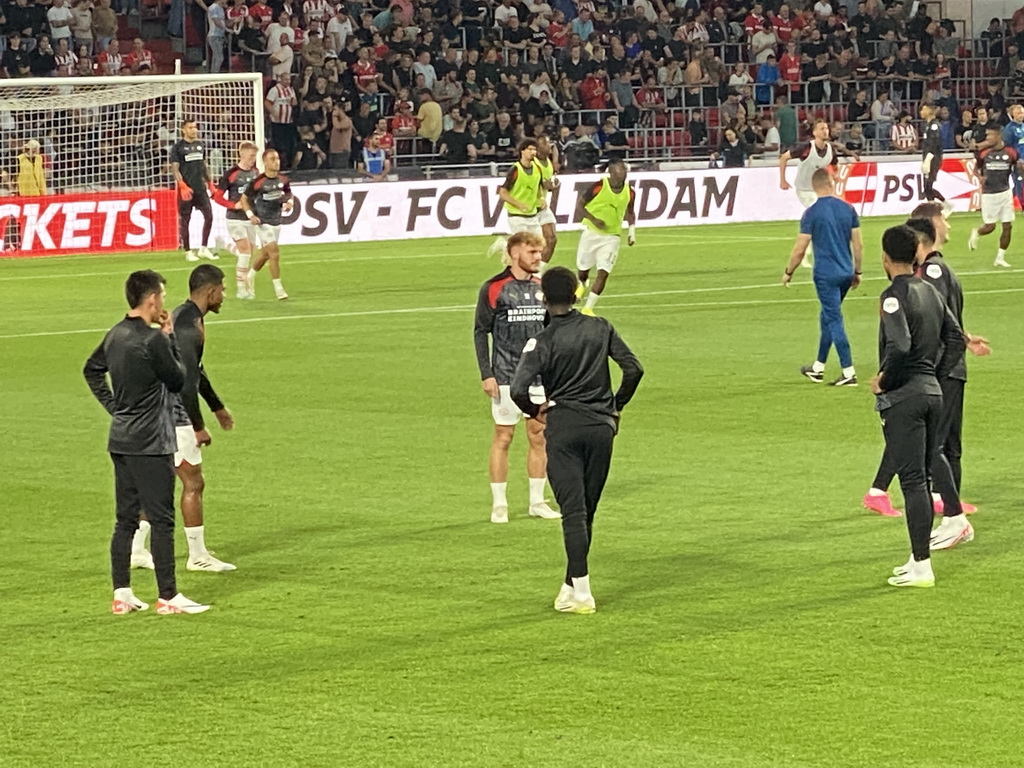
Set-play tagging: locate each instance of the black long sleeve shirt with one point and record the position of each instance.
(918, 341)
(510, 312)
(571, 358)
(931, 142)
(937, 272)
(144, 370)
(190, 333)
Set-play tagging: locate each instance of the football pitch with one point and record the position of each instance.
(377, 617)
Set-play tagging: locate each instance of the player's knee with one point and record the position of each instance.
(192, 480)
(503, 437)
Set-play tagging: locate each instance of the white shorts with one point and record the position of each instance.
(597, 250)
(807, 197)
(524, 224)
(268, 233)
(240, 229)
(997, 208)
(546, 216)
(505, 412)
(188, 449)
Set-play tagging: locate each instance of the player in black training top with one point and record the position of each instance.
(997, 165)
(510, 310)
(570, 356)
(931, 152)
(229, 194)
(919, 343)
(188, 163)
(267, 197)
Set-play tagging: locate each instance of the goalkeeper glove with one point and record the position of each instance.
(184, 191)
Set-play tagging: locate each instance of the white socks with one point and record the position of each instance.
(818, 367)
(592, 300)
(139, 540)
(277, 285)
(877, 492)
(498, 495)
(196, 544)
(581, 588)
(537, 490)
(1000, 254)
(242, 268)
(849, 372)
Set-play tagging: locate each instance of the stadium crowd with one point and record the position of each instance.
(357, 84)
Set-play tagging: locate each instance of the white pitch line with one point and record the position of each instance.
(464, 307)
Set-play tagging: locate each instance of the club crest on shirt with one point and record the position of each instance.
(530, 346)
(933, 271)
(891, 304)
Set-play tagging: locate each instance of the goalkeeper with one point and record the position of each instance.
(188, 163)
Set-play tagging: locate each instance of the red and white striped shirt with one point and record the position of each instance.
(262, 12)
(281, 96)
(135, 58)
(109, 63)
(236, 16)
(66, 64)
(317, 9)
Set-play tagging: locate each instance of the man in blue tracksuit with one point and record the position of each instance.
(832, 226)
(1013, 136)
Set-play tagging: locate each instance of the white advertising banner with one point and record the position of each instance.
(338, 213)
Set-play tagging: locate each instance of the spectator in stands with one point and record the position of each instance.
(455, 145)
(772, 144)
(698, 129)
(65, 59)
(593, 90)
(790, 69)
(282, 60)
(340, 143)
(275, 30)
(429, 116)
(763, 43)
(859, 110)
(904, 134)
(996, 100)
(80, 22)
(281, 103)
(624, 100)
(104, 25)
(732, 153)
(992, 40)
(485, 110)
(651, 102)
(252, 43)
(817, 74)
(448, 91)
(42, 62)
(882, 113)
(308, 155)
(670, 76)
(786, 118)
(614, 142)
(768, 78)
(108, 63)
(730, 108)
(138, 56)
(739, 77)
(964, 131)
(59, 19)
(421, 67)
(374, 162)
(504, 137)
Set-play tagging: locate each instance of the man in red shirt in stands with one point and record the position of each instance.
(558, 31)
(263, 12)
(782, 23)
(110, 61)
(754, 21)
(404, 123)
(594, 90)
(789, 70)
(364, 70)
(139, 56)
(236, 14)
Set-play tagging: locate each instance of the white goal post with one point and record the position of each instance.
(100, 134)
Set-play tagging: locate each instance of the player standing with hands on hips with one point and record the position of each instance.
(510, 311)
(919, 342)
(602, 209)
(997, 164)
(145, 369)
(266, 198)
(833, 227)
(188, 164)
(570, 357)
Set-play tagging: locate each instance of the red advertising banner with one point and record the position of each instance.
(99, 222)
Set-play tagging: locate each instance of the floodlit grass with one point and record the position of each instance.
(377, 617)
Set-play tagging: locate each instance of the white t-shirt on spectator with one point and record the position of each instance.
(740, 80)
(428, 72)
(81, 25)
(539, 6)
(763, 37)
(274, 32)
(503, 14)
(649, 12)
(772, 137)
(60, 14)
(538, 88)
(823, 8)
(286, 56)
(337, 33)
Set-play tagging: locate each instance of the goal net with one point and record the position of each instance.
(109, 138)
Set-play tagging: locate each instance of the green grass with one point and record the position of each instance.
(378, 619)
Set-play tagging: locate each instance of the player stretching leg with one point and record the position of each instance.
(817, 153)
(188, 164)
(997, 165)
(602, 209)
(267, 197)
(510, 310)
(229, 194)
(521, 194)
(547, 161)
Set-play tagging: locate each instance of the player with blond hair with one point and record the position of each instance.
(229, 194)
(510, 310)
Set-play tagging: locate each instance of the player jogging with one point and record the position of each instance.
(521, 190)
(547, 161)
(267, 197)
(997, 165)
(1013, 137)
(602, 209)
(817, 154)
(188, 164)
(510, 310)
(931, 227)
(931, 153)
(229, 194)
(833, 227)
